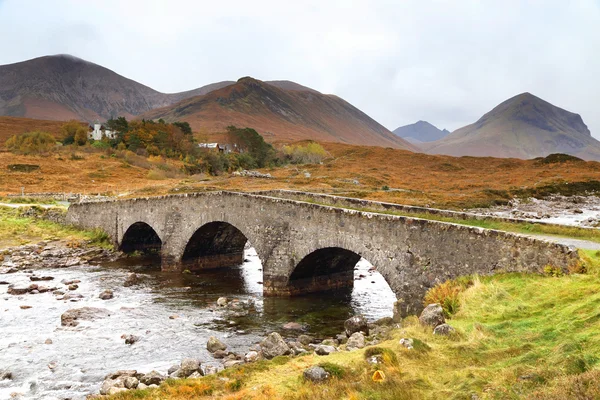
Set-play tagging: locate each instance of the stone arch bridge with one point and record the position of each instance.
(306, 247)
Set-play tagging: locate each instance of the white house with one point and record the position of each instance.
(99, 132)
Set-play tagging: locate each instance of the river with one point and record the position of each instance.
(173, 314)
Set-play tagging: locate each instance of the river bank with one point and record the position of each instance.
(157, 320)
(508, 342)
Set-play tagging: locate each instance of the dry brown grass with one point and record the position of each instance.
(10, 126)
(356, 171)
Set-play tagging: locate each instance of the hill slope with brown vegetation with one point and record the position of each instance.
(281, 111)
(63, 87)
(347, 170)
(523, 126)
(10, 126)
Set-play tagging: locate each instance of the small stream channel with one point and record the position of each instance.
(172, 313)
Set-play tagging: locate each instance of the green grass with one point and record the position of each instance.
(26, 200)
(18, 230)
(518, 336)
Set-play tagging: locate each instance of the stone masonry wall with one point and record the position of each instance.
(412, 254)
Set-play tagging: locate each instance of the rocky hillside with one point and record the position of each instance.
(280, 111)
(523, 126)
(419, 132)
(62, 87)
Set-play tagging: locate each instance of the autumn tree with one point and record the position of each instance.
(81, 136)
(69, 129)
(31, 143)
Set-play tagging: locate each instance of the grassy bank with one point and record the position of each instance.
(518, 336)
(18, 230)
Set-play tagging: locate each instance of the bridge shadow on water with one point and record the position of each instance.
(320, 314)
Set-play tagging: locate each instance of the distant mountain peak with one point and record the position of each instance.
(523, 126)
(419, 132)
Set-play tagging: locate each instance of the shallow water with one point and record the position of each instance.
(83, 355)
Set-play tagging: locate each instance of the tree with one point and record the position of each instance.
(253, 143)
(119, 125)
(81, 136)
(184, 126)
(68, 131)
(31, 143)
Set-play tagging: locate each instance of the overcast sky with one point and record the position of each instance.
(447, 62)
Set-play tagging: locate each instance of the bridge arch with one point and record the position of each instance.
(216, 244)
(141, 237)
(327, 268)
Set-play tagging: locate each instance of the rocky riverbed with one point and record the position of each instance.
(575, 210)
(72, 315)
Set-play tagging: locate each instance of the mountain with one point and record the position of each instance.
(280, 110)
(62, 87)
(523, 126)
(419, 132)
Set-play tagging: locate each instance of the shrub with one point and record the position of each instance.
(74, 131)
(311, 153)
(388, 356)
(447, 294)
(81, 136)
(335, 370)
(100, 144)
(551, 270)
(385, 187)
(156, 174)
(31, 143)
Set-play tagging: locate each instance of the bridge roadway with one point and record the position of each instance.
(306, 247)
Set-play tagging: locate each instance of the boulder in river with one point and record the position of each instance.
(132, 279)
(305, 339)
(213, 344)
(220, 354)
(73, 316)
(131, 382)
(152, 378)
(432, 315)
(40, 278)
(130, 339)
(5, 374)
(358, 323)
(293, 326)
(188, 367)
(251, 356)
(222, 301)
(18, 290)
(274, 345)
(106, 295)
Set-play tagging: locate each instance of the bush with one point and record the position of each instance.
(156, 174)
(388, 356)
(100, 144)
(31, 143)
(74, 131)
(551, 270)
(311, 153)
(447, 294)
(336, 371)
